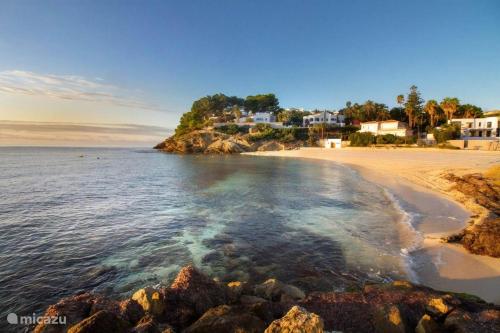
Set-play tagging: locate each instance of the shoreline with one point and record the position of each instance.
(413, 177)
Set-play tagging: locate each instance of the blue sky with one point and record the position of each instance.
(144, 62)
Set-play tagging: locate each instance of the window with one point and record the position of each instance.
(488, 124)
(317, 119)
(479, 124)
(469, 125)
(480, 133)
(488, 133)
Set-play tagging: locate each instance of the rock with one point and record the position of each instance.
(249, 299)
(484, 236)
(388, 319)
(462, 321)
(131, 310)
(235, 290)
(274, 290)
(427, 325)
(74, 309)
(297, 320)
(102, 321)
(191, 295)
(437, 308)
(148, 324)
(227, 319)
(151, 300)
(271, 146)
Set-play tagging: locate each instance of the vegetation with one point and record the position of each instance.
(289, 134)
(233, 129)
(226, 108)
(292, 117)
(449, 106)
(446, 132)
(361, 139)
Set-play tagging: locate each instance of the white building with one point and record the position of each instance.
(264, 117)
(326, 117)
(479, 128)
(394, 127)
(333, 143)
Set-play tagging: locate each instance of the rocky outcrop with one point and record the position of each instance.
(297, 320)
(196, 303)
(213, 142)
(482, 237)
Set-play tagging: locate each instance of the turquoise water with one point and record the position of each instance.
(115, 220)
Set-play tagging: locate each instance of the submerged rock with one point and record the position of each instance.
(275, 290)
(297, 320)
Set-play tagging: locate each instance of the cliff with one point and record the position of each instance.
(194, 303)
(213, 142)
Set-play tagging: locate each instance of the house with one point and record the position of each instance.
(478, 128)
(324, 117)
(394, 127)
(333, 143)
(264, 117)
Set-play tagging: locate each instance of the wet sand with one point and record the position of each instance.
(413, 176)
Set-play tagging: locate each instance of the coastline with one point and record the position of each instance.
(414, 178)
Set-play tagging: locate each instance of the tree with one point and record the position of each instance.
(292, 117)
(431, 108)
(400, 99)
(413, 106)
(449, 106)
(398, 113)
(204, 108)
(469, 111)
(262, 103)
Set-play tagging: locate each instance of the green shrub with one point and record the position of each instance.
(446, 132)
(361, 139)
(386, 139)
(233, 129)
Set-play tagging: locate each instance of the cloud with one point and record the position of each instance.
(68, 87)
(75, 134)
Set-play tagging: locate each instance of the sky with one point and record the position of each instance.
(122, 72)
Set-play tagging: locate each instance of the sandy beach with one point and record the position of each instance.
(414, 176)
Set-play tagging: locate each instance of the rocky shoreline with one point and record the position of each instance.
(482, 236)
(194, 303)
(213, 142)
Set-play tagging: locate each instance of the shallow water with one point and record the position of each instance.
(115, 220)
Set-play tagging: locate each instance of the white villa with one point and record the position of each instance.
(327, 117)
(394, 127)
(264, 117)
(479, 128)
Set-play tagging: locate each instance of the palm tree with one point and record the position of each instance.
(431, 109)
(400, 99)
(449, 106)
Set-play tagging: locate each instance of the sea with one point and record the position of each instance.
(112, 221)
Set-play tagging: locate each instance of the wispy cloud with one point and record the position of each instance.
(69, 87)
(75, 134)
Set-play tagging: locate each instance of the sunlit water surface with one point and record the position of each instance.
(114, 220)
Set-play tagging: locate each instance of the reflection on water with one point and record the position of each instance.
(132, 218)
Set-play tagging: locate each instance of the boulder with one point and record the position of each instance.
(191, 295)
(227, 319)
(437, 308)
(388, 319)
(249, 299)
(275, 290)
(297, 320)
(427, 325)
(102, 321)
(74, 309)
(462, 321)
(131, 311)
(151, 300)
